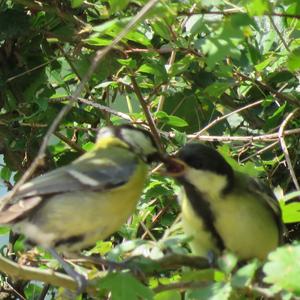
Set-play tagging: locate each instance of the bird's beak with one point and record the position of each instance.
(173, 167)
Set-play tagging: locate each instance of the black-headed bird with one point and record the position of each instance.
(223, 209)
(72, 207)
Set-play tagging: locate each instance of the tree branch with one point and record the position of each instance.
(284, 147)
(147, 112)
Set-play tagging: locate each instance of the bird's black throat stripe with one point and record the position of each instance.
(203, 210)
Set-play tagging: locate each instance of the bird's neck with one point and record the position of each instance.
(206, 182)
(109, 142)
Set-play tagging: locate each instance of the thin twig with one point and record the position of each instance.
(105, 108)
(260, 151)
(14, 291)
(171, 61)
(277, 94)
(219, 119)
(147, 112)
(44, 292)
(156, 219)
(147, 231)
(279, 33)
(264, 137)
(236, 11)
(284, 146)
(96, 105)
(70, 143)
(30, 70)
(182, 285)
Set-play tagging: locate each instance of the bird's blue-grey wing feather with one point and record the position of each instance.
(264, 192)
(94, 173)
(88, 177)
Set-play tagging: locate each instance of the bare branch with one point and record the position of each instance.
(70, 143)
(213, 123)
(235, 11)
(18, 271)
(280, 96)
(227, 138)
(147, 112)
(105, 108)
(284, 147)
(279, 34)
(260, 151)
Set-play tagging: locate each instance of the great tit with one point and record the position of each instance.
(223, 209)
(72, 207)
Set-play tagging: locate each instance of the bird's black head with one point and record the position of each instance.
(202, 157)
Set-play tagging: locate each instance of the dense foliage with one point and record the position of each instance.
(225, 72)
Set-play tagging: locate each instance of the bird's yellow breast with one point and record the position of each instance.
(94, 215)
(245, 225)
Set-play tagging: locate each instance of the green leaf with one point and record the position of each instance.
(290, 211)
(293, 62)
(244, 276)
(154, 68)
(262, 65)
(129, 62)
(117, 5)
(181, 65)
(4, 230)
(168, 295)
(283, 269)
(276, 117)
(124, 286)
(97, 41)
(199, 275)
(5, 173)
(76, 3)
(101, 248)
(217, 89)
(195, 24)
(227, 262)
(161, 29)
(215, 291)
(170, 120)
(223, 43)
(88, 146)
(257, 7)
(249, 168)
(115, 24)
(180, 137)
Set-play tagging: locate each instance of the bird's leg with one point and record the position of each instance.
(80, 279)
(212, 258)
(98, 260)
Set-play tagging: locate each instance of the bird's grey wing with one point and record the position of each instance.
(89, 175)
(80, 177)
(266, 194)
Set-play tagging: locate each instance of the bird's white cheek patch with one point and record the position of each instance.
(206, 181)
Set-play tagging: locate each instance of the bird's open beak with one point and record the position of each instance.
(173, 167)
